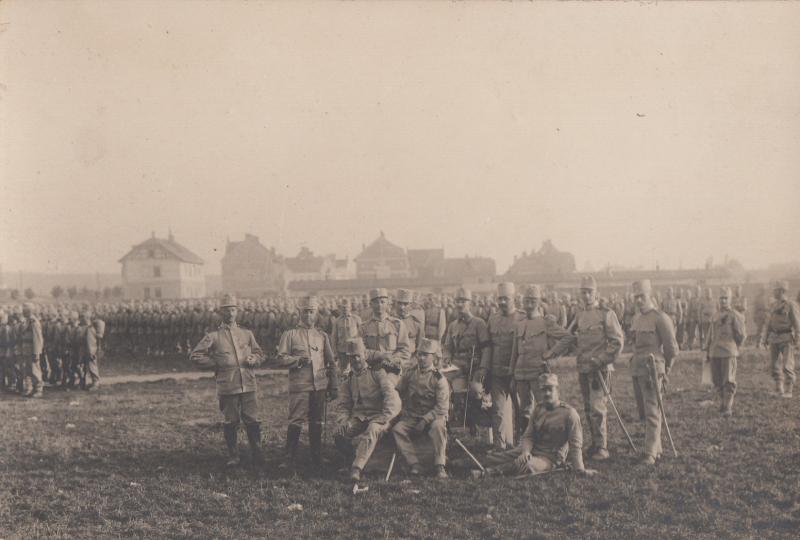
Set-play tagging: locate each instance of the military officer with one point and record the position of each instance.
(308, 354)
(233, 353)
(30, 343)
(599, 340)
(425, 395)
(781, 332)
(496, 372)
(344, 327)
(726, 335)
(654, 335)
(553, 438)
(385, 337)
(369, 402)
(534, 336)
(414, 326)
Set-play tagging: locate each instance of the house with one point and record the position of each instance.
(548, 261)
(382, 259)
(162, 268)
(307, 266)
(250, 269)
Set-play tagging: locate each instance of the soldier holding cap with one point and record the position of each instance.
(233, 353)
(344, 327)
(308, 354)
(411, 320)
(553, 438)
(726, 335)
(781, 332)
(497, 370)
(425, 394)
(368, 404)
(599, 340)
(385, 337)
(534, 336)
(654, 335)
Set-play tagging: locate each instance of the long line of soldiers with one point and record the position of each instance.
(394, 379)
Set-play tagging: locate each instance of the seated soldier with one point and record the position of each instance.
(426, 400)
(553, 438)
(368, 403)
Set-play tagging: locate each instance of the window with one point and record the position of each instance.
(156, 271)
(158, 292)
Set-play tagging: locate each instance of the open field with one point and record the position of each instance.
(145, 460)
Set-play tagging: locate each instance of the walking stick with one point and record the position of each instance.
(473, 458)
(616, 412)
(391, 466)
(654, 378)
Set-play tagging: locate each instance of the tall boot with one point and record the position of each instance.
(727, 402)
(254, 438)
(292, 441)
(722, 399)
(231, 431)
(315, 442)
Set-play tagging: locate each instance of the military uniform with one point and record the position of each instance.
(708, 308)
(386, 340)
(345, 327)
(30, 344)
(435, 321)
(726, 335)
(8, 379)
(782, 332)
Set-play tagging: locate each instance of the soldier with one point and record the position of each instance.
(722, 347)
(344, 327)
(534, 336)
(654, 335)
(306, 351)
(7, 345)
(87, 353)
(466, 346)
(435, 319)
(781, 332)
(553, 438)
(425, 395)
(385, 337)
(30, 343)
(414, 326)
(233, 353)
(739, 302)
(692, 320)
(761, 314)
(680, 330)
(672, 307)
(599, 340)
(555, 309)
(368, 404)
(708, 308)
(496, 372)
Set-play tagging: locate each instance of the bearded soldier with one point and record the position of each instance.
(653, 336)
(781, 332)
(722, 347)
(233, 353)
(425, 395)
(600, 340)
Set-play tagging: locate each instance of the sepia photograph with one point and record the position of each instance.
(399, 269)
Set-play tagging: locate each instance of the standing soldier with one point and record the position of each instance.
(414, 326)
(466, 346)
(306, 351)
(555, 309)
(496, 373)
(708, 308)
(87, 355)
(435, 319)
(672, 307)
(681, 328)
(344, 327)
(30, 344)
(761, 314)
(385, 337)
(233, 353)
(599, 340)
(739, 301)
(722, 347)
(7, 373)
(654, 336)
(425, 396)
(692, 321)
(533, 338)
(781, 332)
(369, 403)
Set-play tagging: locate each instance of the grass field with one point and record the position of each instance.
(146, 460)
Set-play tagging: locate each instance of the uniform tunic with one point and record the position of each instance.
(386, 340)
(425, 395)
(725, 337)
(498, 368)
(781, 331)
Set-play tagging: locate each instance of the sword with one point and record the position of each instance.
(654, 378)
(616, 412)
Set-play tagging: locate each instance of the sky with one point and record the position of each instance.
(631, 134)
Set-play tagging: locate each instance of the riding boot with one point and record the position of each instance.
(315, 442)
(254, 438)
(231, 432)
(292, 441)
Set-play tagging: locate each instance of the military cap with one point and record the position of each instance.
(378, 293)
(642, 287)
(780, 284)
(548, 379)
(404, 295)
(429, 346)
(27, 306)
(228, 301)
(725, 292)
(588, 282)
(506, 289)
(463, 294)
(73, 315)
(308, 302)
(533, 291)
(355, 347)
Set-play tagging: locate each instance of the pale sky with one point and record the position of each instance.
(628, 133)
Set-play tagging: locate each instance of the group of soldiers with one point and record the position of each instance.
(421, 370)
(58, 347)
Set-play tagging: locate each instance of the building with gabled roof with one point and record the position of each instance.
(251, 269)
(162, 268)
(382, 259)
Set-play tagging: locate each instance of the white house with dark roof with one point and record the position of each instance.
(162, 269)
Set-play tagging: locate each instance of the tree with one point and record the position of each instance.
(56, 292)
(72, 292)
(29, 294)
